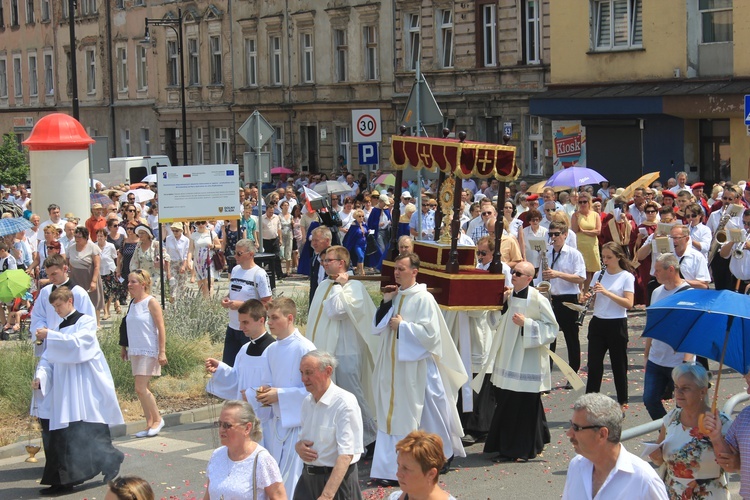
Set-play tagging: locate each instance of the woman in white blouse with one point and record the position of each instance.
(107, 268)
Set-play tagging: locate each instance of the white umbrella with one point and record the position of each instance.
(94, 182)
(141, 195)
(149, 179)
(328, 188)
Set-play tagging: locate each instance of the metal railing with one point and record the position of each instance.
(647, 428)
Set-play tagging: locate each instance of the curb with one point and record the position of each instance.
(120, 430)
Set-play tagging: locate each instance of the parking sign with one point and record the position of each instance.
(368, 153)
(747, 110)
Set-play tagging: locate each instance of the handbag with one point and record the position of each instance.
(124, 327)
(219, 260)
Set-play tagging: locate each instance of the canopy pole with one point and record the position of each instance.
(701, 426)
(392, 252)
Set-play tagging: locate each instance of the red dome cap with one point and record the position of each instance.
(58, 131)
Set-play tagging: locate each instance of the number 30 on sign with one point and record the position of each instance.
(366, 125)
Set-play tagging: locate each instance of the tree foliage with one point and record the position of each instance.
(14, 167)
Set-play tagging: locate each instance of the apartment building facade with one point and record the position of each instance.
(658, 86)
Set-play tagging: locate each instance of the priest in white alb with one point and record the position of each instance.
(340, 321)
(418, 371)
(519, 362)
(80, 399)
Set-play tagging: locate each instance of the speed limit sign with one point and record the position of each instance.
(366, 125)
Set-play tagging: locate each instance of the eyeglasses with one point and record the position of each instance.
(129, 229)
(486, 213)
(432, 206)
(224, 425)
(549, 210)
(725, 198)
(482, 253)
(583, 202)
(554, 235)
(579, 428)
(326, 261)
(201, 223)
(131, 210)
(519, 274)
(696, 215)
(52, 248)
(650, 211)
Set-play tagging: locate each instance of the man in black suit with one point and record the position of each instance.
(321, 240)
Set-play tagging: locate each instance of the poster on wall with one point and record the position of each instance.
(569, 144)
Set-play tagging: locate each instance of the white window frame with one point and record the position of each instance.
(14, 13)
(17, 77)
(277, 145)
(445, 37)
(274, 45)
(708, 11)
(217, 69)
(145, 142)
(606, 27)
(49, 73)
(221, 145)
(341, 54)
(489, 35)
(122, 68)
(194, 62)
(88, 7)
(413, 41)
(370, 38)
(33, 75)
(251, 62)
(199, 146)
(126, 151)
(91, 71)
(3, 77)
(29, 11)
(344, 142)
(308, 57)
(172, 64)
(533, 17)
(46, 10)
(141, 68)
(536, 140)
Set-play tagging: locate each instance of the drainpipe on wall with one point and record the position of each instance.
(288, 29)
(112, 83)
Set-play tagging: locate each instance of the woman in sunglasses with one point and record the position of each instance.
(587, 225)
(127, 250)
(643, 268)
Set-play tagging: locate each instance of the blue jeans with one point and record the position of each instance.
(656, 380)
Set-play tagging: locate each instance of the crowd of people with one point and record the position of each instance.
(401, 381)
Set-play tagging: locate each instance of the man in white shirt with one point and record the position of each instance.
(738, 255)
(660, 357)
(603, 468)
(54, 219)
(636, 208)
(720, 267)
(693, 265)
(428, 221)
(330, 440)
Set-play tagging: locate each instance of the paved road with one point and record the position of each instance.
(175, 461)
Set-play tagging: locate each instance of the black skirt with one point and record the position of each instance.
(478, 421)
(519, 427)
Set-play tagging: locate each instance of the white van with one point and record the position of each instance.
(131, 169)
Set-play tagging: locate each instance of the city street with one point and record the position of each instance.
(175, 461)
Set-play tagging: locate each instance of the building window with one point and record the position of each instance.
(17, 88)
(88, 7)
(307, 58)
(343, 143)
(119, 4)
(14, 12)
(125, 142)
(2, 16)
(251, 62)
(412, 41)
(33, 77)
(535, 161)
(68, 74)
(172, 63)
(145, 142)
(122, 69)
(193, 62)
(3, 78)
(221, 145)
(371, 52)
(45, 10)
(275, 45)
(29, 11)
(716, 20)
(65, 10)
(341, 52)
(214, 43)
(90, 71)
(489, 35)
(532, 31)
(277, 145)
(445, 38)
(139, 3)
(199, 145)
(617, 24)
(141, 67)
(49, 75)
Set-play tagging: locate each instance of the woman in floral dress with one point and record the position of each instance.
(691, 468)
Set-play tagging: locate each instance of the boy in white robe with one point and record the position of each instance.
(283, 389)
(418, 359)
(236, 382)
(75, 378)
(339, 322)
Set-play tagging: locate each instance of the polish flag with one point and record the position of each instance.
(309, 196)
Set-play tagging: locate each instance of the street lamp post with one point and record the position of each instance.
(176, 25)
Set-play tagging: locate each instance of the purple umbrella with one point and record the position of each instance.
(575, 177)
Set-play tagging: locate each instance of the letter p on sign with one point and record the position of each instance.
(368, 153)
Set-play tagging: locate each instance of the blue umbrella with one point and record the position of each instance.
(13, 225)
(710, 323)
(575, 177)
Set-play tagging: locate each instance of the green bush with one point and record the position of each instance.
(17, 366)
(191, 317)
